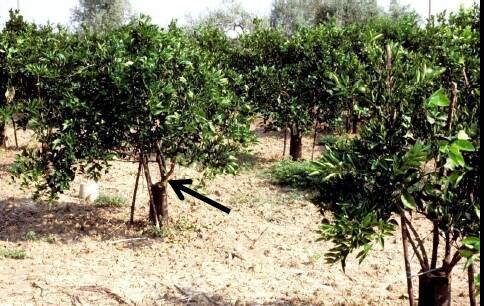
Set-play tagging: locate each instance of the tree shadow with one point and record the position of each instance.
(190, 297)
(67, 222)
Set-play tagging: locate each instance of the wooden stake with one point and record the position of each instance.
(408, 268)
(452, 106)
(15, 133)
(150, 192)
(472, 285)
(285, 143)
(314, 139)
(136, 189)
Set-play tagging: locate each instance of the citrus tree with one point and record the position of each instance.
(138, 90)
(417, 154)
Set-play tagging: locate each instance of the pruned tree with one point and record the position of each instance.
(101, 15)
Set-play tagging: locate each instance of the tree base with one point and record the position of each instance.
(435, 289)
(160, 197)
(295, 147)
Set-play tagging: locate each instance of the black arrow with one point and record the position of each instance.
(179, 186)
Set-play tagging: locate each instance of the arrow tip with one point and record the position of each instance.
(177, 186)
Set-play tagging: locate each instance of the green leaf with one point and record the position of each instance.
(465, 145)
(462, 135)
(408, 200)
(439, 98)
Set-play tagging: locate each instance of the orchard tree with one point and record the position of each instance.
(101, 15)
(139, 90)
(418, 154)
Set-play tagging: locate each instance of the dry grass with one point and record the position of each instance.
(263, 253)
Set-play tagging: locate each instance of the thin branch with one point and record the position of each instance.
(448, 266)
(421, 245)
(415, 248)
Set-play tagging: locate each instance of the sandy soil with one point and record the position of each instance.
(263, 253)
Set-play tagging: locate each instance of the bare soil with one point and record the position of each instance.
(263, 253)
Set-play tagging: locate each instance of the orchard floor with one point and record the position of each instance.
(263, 253)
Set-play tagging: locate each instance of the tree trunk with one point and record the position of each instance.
(160, 198)
(295, 147)
(434, 289)
(3, 136)
(355, 124)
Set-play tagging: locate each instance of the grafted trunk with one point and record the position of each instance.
(3, 136)
(160, 199)
(355, 124)
(435, 289)
(295, 147)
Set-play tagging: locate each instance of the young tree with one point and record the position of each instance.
(101, 15)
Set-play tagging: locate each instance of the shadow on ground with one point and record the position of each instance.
(67, 222)
(191, 297)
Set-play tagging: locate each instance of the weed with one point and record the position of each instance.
(105, 200)
(12, 254)
(50, 239)
(31, 236)
(293, 173)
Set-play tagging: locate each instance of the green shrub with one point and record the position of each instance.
(105, 200)
(327, 140)
(293, 173)
(12, 254)
(31, 236)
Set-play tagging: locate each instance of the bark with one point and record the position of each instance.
(295, 147)
(435, 289)
(160, 199)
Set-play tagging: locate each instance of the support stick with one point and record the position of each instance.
(136, 189)
(15, 133)
(314, 139)
(472, 286)
(150, 192)
(285, 143)
(408, 268)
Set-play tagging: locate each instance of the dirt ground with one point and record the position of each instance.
(263, 253)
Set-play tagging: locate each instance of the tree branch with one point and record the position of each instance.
(420, 243)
